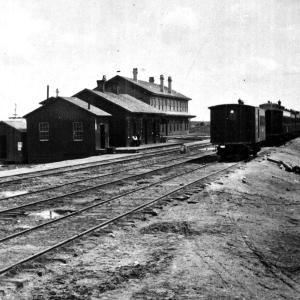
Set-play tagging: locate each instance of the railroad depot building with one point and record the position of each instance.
(140, 108)
(119, 112)
(13, 141)
(64, 128)
(130, 117)
(173, 105)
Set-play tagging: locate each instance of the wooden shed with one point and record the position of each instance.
(13, 141)
(65, 128)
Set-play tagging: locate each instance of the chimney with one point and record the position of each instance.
(135, 72)
(151, 79)
(161, 83)
(101, 84)
(170, 84)
(47, 91)
(57, 92)
(279, 102)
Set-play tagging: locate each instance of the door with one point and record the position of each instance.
(3, 147)
(145, 131)
(102, 136)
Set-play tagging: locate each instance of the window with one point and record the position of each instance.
(77, 131)
(44, 131)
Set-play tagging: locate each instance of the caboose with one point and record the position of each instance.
(237, 128)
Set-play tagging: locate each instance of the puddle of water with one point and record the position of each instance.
(23, 227)
(12, 193)
(45, 214)
(51, 214)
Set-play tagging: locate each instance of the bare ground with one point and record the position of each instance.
(235, 238)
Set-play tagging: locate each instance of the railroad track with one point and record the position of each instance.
(23, 248)
(51, 184)
(10, 179)
(24, 201)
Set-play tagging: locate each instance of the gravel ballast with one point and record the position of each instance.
(235, 238)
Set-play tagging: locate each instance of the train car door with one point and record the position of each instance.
(232, 131)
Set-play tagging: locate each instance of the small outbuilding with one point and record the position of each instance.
(66, 128)
(13, 141)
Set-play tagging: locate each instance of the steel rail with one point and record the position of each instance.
(94, 187)
(95, 205)
(73, 182)
(81, 166)
(104, 224)
(77, 181)
(172, 148)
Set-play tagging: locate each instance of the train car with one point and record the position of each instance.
(297, 123)
(237, 128)
(274, 122)
(295, 120)
(281, 124)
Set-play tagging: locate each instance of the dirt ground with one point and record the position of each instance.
(235, 238)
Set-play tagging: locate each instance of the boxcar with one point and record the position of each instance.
(237, 128)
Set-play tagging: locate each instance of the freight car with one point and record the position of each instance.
(237, 129)
(281, 124)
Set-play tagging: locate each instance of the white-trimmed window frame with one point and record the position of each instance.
(77, 130)
(44, 131)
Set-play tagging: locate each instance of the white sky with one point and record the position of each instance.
(215, 50)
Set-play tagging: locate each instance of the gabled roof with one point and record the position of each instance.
(76, 102)
(154, 88)
(127, 102)
(18, 124)
(84, 105)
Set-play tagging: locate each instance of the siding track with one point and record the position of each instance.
(9, 179)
